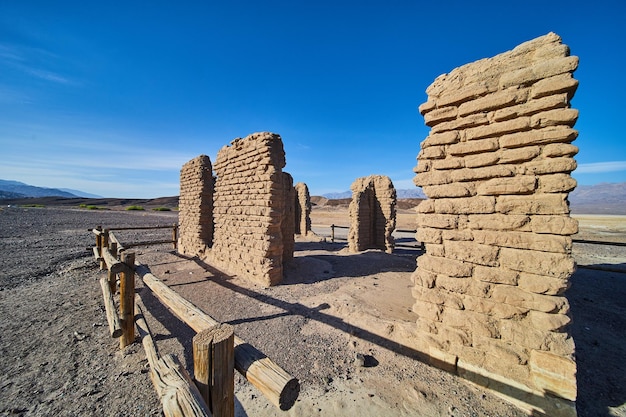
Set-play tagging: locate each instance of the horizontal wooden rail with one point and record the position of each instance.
(598, 242)
(179, 395)
(113, 239)
(142, 227)
(113, 265)
(144, 333)
(330, 226)
(405, 231)
(113, 319)
(402, 245)
(148, 242)
(604, 267)
(122, 248)
(275, 383)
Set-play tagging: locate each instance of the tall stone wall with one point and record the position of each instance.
(288, 224)
(496, 168)
(196, 206)
(302, 209)
(250, 204)
(372, 214)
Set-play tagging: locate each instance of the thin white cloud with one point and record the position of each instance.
(600, 167)
(47, 75)
(147, 161)
(10, 54)
(78, 149)
(21, 58)
(111, 183)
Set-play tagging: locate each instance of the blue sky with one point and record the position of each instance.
(113, 97)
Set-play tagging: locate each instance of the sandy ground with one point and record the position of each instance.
(57, 357)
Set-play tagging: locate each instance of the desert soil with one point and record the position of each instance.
(58, 359)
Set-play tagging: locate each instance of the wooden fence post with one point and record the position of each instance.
(127, 299)
(214, 368)
(275, 383)
(104, 244)
(332, 233)
(112, 275)
(99, 240)
(175, 235)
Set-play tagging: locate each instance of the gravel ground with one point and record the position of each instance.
(57, 357)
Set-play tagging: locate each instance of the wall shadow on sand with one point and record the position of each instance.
(598, 306)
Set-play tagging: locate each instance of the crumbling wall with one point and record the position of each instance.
(288, 224)
(372, 214)
(195, 205)
(302, 209)
(496, 168)
(250, 204)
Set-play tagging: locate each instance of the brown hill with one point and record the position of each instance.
(403, 203)
(101, 203)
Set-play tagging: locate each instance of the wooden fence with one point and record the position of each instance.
(333, 238)
(603, 243)
(217, 351)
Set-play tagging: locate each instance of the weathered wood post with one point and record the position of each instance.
(275, 383)
(214, 368)
(179, 395)
(112, 276)
(99, 240)
(175, 235)
(104, 244)
(127, 299)
(332, 233)
(115, 327)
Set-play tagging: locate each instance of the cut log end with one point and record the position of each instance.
(215, 334)
(289, 394)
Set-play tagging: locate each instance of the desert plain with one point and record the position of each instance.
(340, 322)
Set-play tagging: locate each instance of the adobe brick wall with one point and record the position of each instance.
(302, 209)
(372, 214)
(196, 206)
(497, 231)
(288, 224)
(250, 205)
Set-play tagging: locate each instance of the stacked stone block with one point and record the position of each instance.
(250, 205)
(372, 214)
(196, 206)
(302, 209)
(496, 227)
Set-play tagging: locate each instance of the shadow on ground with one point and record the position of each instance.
(295, 309)
(598, 306)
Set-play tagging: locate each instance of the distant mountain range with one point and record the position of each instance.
(80, 193)
(16, 189)
(604, 198)
(401, 193)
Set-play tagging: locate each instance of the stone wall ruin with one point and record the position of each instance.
(497, 231)
(288, 224)
(302, 209)
(251, 202)
(196, 206)
(372, 214)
